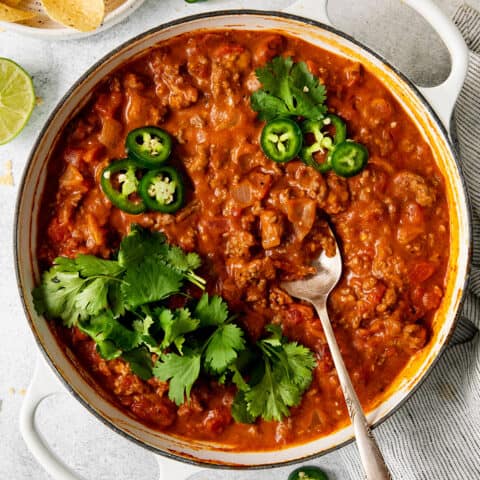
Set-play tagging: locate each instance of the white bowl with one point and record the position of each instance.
(44, 27)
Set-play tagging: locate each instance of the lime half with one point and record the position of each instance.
(17, 99)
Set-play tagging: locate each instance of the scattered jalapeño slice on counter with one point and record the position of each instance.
(308, 473)
(120, 184)
(281, 140)
(149, 147)
(162, 190)
(349, 158)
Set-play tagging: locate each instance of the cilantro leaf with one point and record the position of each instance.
(300, 364)
(222, 348)
(288, 89)
(115, 299)
(149, 281)
(240, 411)
(93, 297)
(90, 266)
(268, 106)
(140, 362)
(181, 260)
(185, 263)
(65, 264)
(237, 378)
(176, 325)
(278, 381)
(274, 77)
(105, 327)
(108, 350)
(211, 311)
(98, 328)
(75, 289)
(276, 336)
(57, 295)
(139, 244)
(181, 371)
(301, 80)
(272, 396)
(142, 327)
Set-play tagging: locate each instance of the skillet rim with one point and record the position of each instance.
(453, 145)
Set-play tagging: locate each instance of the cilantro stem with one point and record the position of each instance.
(196, 280)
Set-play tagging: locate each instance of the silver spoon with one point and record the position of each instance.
(316, 289)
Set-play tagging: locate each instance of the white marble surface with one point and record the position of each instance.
(84, 443)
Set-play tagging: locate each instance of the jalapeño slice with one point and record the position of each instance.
(120, 184)
(149, 147)
(308, 473)
(349, 158)
(162, 190)
(340, 134)
(321, 141)
(281, 140)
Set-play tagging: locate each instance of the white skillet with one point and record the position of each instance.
(430, 108)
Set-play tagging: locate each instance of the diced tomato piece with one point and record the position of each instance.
(421, 271)
(159, 411)
(108, 103)
(414, 214)
(93, 153)
(312, 66)
(268, 48)
(228, 49)
(298, 313)
(417, 296)
(431, 299)
(217, 419)
(73, 155)
(58, 233)
(375, 295)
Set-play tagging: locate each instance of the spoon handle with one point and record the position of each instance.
(370, 454)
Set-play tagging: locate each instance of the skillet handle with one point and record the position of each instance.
(443, 96)
(314, 9)
(173, 470)
(43, 385)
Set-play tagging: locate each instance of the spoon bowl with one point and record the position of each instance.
(319, 285)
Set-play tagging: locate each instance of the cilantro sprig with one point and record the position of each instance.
(122, 305)
(215, 347)
(278, 380)
(112, 300)
(288, 89)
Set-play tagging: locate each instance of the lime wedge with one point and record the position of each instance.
(17, 99)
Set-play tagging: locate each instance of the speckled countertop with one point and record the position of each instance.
(83, 442)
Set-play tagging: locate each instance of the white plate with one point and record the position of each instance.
(42, 26)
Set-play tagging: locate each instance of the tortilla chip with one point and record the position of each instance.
(11, 3)
(11, 14)
(83, 15)
(7, 177)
